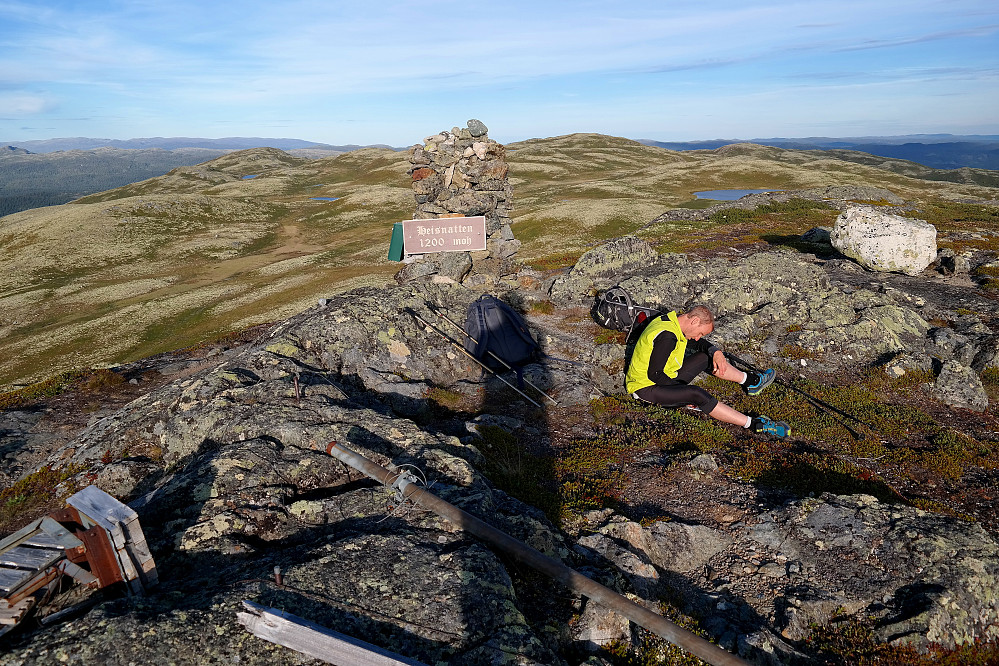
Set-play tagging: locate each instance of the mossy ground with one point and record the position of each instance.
(34, 495)
(776, 224)
(851, 641)
(904, 454)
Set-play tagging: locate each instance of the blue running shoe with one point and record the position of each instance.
(777, 429)
(756, 382)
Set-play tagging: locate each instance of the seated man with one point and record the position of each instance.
(664, 363)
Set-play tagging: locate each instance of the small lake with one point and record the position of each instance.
(324, 198)
(249, 177)
(727, 195)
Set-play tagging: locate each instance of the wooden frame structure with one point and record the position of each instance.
(96, 540)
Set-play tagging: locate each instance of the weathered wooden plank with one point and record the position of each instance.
(128, 570)
(103, 509)
(139, 550)
(12, 579)
(314, 640)
(53, 535)
(43, 540)
(79, 574)
(26, 557)
(13, 614)
(17, 537)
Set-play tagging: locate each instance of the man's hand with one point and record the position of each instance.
(721, 363)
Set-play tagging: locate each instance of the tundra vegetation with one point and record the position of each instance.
(170, 261)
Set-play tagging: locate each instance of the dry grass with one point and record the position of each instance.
(573, 191)
(157, 265)
(163, 263)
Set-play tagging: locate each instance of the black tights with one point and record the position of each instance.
(680, 393)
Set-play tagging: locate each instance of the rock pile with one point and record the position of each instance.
(463, 172)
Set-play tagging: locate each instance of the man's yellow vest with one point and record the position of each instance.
(638, 371)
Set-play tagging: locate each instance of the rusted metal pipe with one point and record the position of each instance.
(535, 559)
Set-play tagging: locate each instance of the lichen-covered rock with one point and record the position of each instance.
(603, 267)
(778, 295)
(443, 266)
(856, 193)
(950, 262)
(960, 386)
(924, 578)
(923, 575)
(598, 626)
(885, 242)
(817, 235)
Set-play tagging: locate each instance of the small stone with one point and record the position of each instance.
(477, 128)
(773, 570)
(704, 463)
(960, 386)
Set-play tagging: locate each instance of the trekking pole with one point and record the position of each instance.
(466, 353)
(817, 402)
(474, 341)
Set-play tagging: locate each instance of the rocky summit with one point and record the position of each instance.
(222, 452)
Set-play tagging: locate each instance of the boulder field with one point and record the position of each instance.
(226, 466)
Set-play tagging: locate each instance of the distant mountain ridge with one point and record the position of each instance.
(175, 143)
(940, 151)
(56, 171)
(49, 172)
(33, 180)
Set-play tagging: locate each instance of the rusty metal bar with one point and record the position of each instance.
(101, 555)
(572, 579)
(42, 579)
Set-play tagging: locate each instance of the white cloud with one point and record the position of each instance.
(23, 105)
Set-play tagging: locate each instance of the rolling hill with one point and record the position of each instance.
(56, 171)
(245, 238)
(938, 151)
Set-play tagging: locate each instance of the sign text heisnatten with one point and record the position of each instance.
(446, 234)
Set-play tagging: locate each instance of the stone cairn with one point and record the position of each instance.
(461, 173)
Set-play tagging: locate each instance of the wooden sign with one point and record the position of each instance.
(446, 234)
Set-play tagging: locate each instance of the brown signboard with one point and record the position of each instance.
(446, 234)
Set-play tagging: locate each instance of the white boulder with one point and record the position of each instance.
(884, 242)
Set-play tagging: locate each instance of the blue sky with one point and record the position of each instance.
(394, 72)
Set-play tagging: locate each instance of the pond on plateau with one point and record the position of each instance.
(727, 195)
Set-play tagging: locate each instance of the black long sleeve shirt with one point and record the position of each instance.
(661, 349)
